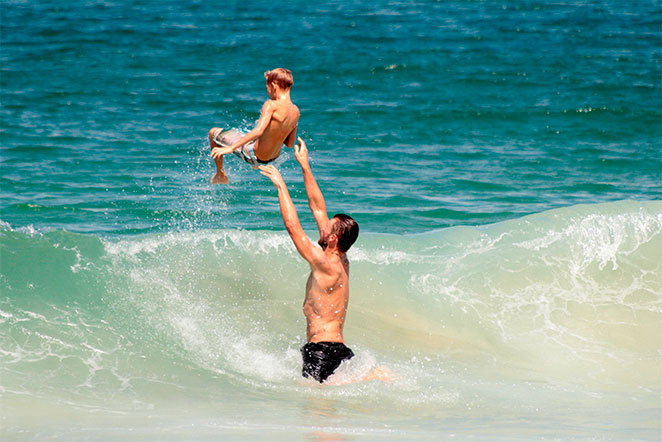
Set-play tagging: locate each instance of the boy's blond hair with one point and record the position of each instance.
(281, 76)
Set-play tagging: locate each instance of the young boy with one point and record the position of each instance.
(277, 126)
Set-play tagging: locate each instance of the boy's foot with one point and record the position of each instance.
(219, 178)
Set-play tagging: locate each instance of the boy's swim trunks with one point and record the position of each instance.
(320, 359)
(227, 137)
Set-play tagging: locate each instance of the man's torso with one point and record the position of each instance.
(325, 304)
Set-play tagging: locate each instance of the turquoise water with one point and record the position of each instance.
(504, 161)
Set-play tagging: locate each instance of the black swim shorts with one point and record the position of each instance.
(320, 359)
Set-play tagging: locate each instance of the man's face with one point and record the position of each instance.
(326, 232)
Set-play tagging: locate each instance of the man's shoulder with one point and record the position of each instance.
(336, 264)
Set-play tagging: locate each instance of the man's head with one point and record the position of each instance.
(340, 232)
(281, 77)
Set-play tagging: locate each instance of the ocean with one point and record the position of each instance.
(503, 161)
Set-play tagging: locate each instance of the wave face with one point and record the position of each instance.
(554, 308)
(418, 115)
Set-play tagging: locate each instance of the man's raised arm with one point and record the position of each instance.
(315, 198)
(313, 255)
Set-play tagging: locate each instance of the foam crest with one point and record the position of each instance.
(382, 256)
(601, 238)
(257, 242)
(28, 230)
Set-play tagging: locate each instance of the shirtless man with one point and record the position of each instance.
(277, 126)
(327, 289)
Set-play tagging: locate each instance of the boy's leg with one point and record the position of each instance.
(219, 177)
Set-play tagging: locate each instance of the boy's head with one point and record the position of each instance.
(281, 77)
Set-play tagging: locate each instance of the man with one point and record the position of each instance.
(327, 289)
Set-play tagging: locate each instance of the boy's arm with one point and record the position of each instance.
(265, 117)
(313, 255)
(313, 192)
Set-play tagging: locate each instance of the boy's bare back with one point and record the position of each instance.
(281, 128)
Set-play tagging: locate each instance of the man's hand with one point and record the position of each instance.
(274, 175)
(301, 153)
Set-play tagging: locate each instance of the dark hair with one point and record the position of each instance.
(281, 76)
(347, 231)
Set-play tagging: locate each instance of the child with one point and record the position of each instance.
(277, 126)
